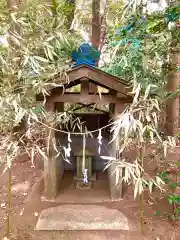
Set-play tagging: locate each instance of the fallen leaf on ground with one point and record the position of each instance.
(36, 214)
(3, 205)
(22, 211)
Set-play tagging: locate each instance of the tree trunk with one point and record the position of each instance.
(172, 105)
(96, 24)
(103, 25)
(13, 3)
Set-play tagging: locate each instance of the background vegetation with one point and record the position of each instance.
(37, 39)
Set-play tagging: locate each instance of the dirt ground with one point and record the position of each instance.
(27, 188)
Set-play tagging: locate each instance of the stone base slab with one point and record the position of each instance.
(81, 217)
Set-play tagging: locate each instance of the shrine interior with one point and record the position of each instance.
(92, 121)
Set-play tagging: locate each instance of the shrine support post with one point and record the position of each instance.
(116, 187)
(52, 165)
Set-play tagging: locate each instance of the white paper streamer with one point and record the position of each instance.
(84, 153)
(99, 141)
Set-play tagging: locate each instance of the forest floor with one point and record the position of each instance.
(27, 188)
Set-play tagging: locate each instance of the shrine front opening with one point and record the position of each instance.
(94, 163)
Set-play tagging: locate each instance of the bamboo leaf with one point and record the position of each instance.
(137, 92)
(13, 16)
(32, 157)
(41, 59)
(15, 40)
(109, 158)
(147, 92)
(50, 55)
(165, 145)
(107, 166)
(136, 188)
(150, 185)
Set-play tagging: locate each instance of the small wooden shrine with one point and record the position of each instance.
(115, 96)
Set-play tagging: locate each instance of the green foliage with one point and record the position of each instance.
(114, 12)
(39, 48)
(178, 135)
(35, 50)
(157, 213)
(172, 14)
(171, 182)
(173, 198)
(156, 23)
(64, 10)
(175, 201)
(178, 164)
(140, 52)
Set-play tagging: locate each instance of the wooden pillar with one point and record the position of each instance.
(88, 87)
(59, 107)
(93, 88)
(112, 105)
(115, 186)
(85, 87)
(52, 165)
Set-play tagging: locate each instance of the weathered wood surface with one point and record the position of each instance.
(53, 166)
(88, 98)
(96, 77)
(115, 184)
(117, 97)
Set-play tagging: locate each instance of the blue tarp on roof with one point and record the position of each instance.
(86, 54)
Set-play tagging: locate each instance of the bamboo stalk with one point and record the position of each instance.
(141, 157)
(9, 202)
(141, 213)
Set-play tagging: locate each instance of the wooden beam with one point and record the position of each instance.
(69, 97)
(82, 106)
(93, 107)
(87, 99)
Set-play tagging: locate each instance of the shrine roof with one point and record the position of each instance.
(79, 74)
(97, 76)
